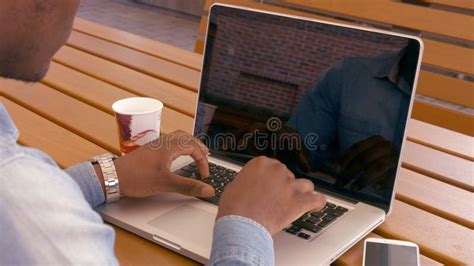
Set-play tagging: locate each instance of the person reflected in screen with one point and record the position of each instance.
(358, 111)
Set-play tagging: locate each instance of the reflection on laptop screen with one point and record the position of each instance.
(328, 101)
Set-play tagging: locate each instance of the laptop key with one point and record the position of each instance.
(303, 235)
(214, 200)
(330, 205)
(329, 218)
(183, 173)
(313, 220)
(190, 169)
(325, 223)
(334, 212)
(293, 229)
(342, 209)
(318, 214)
(310, 227)
(303, 217)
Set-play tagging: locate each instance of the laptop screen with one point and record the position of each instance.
(328, 101)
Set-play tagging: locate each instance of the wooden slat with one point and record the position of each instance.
(207, 5)
(133, 81)
(442, 166)
(102, 95)
(443, 117)
(199, 46)
(449, 56)
(436, 197)
(78, 117)
(354, 255)
(203, 25)
(142, 44)
(445, 88)
(441, 139)
(438, 238)
(65, 147)
(399, 14)
(463, 4)
(150, 65)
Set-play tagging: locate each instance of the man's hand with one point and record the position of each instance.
(146, 171)
(268, 193)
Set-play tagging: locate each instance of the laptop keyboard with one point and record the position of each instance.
(306, 227)
(219, 177)
(312, 224)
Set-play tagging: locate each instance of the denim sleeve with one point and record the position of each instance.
(85, 176)
(240, 241)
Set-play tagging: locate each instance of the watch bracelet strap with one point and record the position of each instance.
(111, 182)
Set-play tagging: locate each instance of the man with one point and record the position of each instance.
(46, 213)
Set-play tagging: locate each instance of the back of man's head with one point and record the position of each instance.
(31, 31)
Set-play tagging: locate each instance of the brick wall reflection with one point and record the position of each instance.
(256, 63)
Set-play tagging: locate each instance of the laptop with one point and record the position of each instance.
(330, 101)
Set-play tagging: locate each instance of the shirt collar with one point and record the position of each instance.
(7, 128)
(387, 66)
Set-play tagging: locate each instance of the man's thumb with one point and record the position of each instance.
(192, 187)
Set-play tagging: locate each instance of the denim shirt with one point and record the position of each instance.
(354, 100)
(47, 216)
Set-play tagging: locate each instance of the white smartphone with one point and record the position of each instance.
(386, 252)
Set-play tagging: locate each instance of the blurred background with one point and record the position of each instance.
(174, 22)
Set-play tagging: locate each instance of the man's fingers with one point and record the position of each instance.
(311, 201)
(303, 185)
(188, 145)
(190, 187)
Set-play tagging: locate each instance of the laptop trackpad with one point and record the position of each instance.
(188, 223)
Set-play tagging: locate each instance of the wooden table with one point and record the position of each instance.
(69, 116)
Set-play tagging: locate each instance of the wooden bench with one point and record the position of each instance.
(450, 56)
(69, 116)
(462, 5)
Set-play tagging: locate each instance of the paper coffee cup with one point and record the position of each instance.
(138, 121)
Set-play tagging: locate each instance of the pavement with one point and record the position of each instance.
(171, 27)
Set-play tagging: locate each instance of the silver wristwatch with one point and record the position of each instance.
(106, 163)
